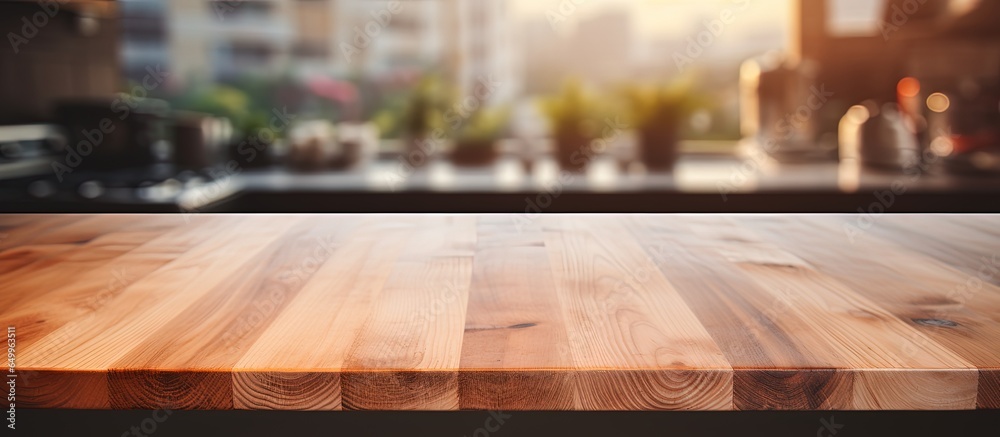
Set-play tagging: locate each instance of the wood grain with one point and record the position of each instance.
(772, 369)
(407, 352)
(950, 297)
(641, 327)
(516, 351)
(502, 312)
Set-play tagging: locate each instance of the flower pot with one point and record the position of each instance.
(474, 153)
(572, 151)
(348, 155)
(356, 144)
(658, 148)
(420, 149)
(309, 155)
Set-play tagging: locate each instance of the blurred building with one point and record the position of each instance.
(603, 46)
(145, 39)
(468, 41)
(219, 40)
(600, 49)
(382, 37)
(481, 48)
(544, 55)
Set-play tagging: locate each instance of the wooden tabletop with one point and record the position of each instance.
(508, 312)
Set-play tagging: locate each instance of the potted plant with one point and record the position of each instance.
(475, 140)
(242, 140)
(573, 119)
(388, 121)
(657, 113)
(423, 124)
(254, 145)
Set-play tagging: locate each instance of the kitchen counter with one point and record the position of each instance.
(508, 312)
(699, 184)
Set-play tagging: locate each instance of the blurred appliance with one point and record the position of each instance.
(885, 137)
(109, 134)
(783, 106)
(27, 150)
(959, 107)
(199, 140)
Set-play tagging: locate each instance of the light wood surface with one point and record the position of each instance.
(505, 312)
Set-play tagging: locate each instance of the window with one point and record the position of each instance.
(854, 17)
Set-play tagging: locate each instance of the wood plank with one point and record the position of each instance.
(516, 351)
(284, 369)
(639, 350)
(400, 360)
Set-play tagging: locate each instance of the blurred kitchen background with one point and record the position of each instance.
(499, 105)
